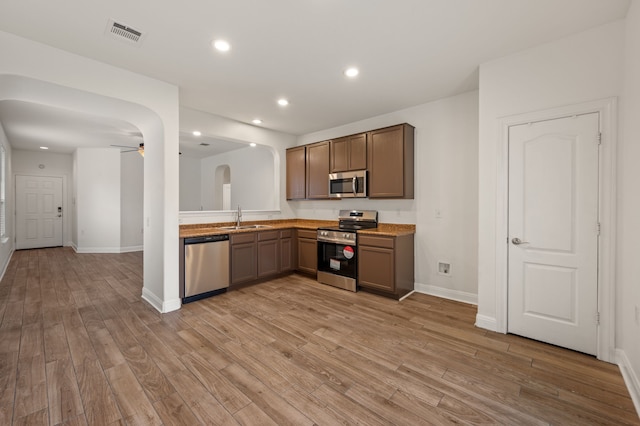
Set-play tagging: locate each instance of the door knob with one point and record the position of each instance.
(517, 241)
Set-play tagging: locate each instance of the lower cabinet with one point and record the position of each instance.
(286, 250)
(385, 264)
(307, 251)
(268, 253)
(244, 257)
(260, 255)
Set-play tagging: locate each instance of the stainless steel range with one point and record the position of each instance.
(337, 248)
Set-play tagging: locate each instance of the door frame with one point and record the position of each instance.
(607, 109)
(66, 223)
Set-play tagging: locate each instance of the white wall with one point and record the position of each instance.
(98, 200)
(446, 152)
(59, 165)
(628, 236)
(131, 202)
(82, 84)
(252, 179)
(190, 184)
(223, 128)
(7, 247)
(583, 67)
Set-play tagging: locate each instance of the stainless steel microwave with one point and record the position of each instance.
(348, 184)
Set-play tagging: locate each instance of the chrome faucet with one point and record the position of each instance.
(239, 216)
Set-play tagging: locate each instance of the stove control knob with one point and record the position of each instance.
(347, 236)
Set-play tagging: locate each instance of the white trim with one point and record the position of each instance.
(104, 249)
(406, 295)
(171, 305)
(130, 249)
(486, 322)
(153, 300)
(6, 265)
(98, 250)
(630, 378)
(158, 304)
(607, 108)
(447, 293)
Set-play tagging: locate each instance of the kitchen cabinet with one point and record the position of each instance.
(268, 253)
(317, 170)
(390, 154)
(296, 173)
(286, 246)
(244, 257)
(385, 264)
(348, 153)
(307, 258)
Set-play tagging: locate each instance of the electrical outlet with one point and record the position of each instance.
(444, 268)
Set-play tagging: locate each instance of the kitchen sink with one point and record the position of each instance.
(233, 228)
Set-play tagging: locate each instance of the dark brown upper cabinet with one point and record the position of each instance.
(390, 153)
(318, 170)
(349, 153)
(296, 173)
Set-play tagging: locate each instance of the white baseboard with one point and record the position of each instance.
(486, 322)
(130, 249)
(153, 300)
(107, 249)
(171, 305)
(630, 378)
(6, 264)
(447, 293)
(161, 306)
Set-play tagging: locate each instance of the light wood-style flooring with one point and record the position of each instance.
(78, 346)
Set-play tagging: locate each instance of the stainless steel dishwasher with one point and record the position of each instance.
(206, 266)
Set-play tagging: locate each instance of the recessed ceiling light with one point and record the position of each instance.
(44, 147)
(252, 144)
(221, 45)
(351, 72)
(256, 121)
(283, 102)
(197, 133)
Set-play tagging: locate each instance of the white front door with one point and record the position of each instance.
(553, 231)
(38, 212)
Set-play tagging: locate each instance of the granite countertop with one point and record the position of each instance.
(200, 230)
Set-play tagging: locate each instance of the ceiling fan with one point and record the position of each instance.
(139, 149)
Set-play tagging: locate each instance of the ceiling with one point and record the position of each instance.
(408, 51)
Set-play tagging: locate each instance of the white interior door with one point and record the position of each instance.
(553, 231)
(38, 211)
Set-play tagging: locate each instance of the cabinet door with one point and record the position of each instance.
(390, 153)
(318, 170)
(339, 155)
(376, 268)
(307, 255)
(268, 259)
(296, 173)
(286, 254)
(349, 153)
(358, 152)
(243, 263)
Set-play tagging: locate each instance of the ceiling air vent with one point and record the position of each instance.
(124, 33)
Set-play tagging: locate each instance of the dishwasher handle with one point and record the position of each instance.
(206, 239)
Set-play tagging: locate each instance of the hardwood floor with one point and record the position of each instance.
(78, 346)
